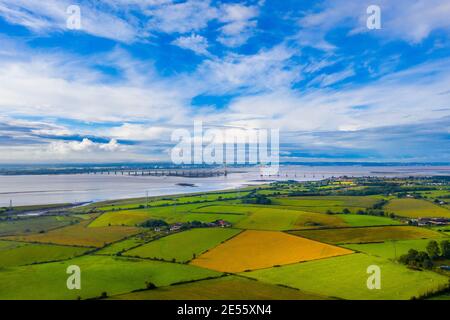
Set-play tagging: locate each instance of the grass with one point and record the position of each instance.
(356, 220)
(18, 254)
(416, 208)
(182, 246)
(390, 249)
(225, 288)
(346, 277)
(98, 274)
(262, 249)
(368, 234)
(34, 225)
(80, 235)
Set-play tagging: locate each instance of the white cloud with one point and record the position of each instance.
(139, 132)
(184, 17)
(50, 16)
(194, 42)
(411, 21)
(240, 22)
(86, 145)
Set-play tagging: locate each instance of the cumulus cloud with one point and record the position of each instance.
(86, 145)
(194, 42)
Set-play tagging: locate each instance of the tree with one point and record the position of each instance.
(445, 249)
(149, 285)
(346, 211)
(433, 249)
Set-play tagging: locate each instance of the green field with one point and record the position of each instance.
(98, 274)
(356, 220)
(415, 208)
(346, 277)
(183, 245)
(18, 254)
(390, 249)
(224, 288)
(368, 234)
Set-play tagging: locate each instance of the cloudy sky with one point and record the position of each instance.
(116, 89)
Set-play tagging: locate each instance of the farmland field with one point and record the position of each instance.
(391, 249)
(100, 274)
(285, 240)
(119, 218)
(356, 220)
(262, 249)
(415, 208)
(368, 234)
(224, 288)
(34, 225)
(80, 235)
(18, 254)
(183, 245)
(346, 277)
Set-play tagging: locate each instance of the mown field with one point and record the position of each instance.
(346, 277)
(368, 234)
(224, 288)
(263, 249)
(34, 225)
(99, 274)
(182, 246)
(80, 235)
(416, 208)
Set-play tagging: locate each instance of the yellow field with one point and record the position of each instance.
(80, 235)
(263, 249)
(119, 218)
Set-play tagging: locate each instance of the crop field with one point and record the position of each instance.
(368, 234)
(263, 249)
(224, 288)
(184, 245)
(18, 253)
(80, 235)
(121, 218)
(34, 225)
(100, 274)
(357, 220)
(346, 277)
(391, 249)
(416, 208)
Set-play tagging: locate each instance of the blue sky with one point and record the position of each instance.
(116, 89)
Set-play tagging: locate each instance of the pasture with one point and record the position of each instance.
(34, 225)
(18, 253)
(416, 208)
(253, 249)
(121, 218)
(368, 234)
(346, 277)
(112, 275)
(357, 220)
(224, 288)
(184, 245)
(390, 249)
